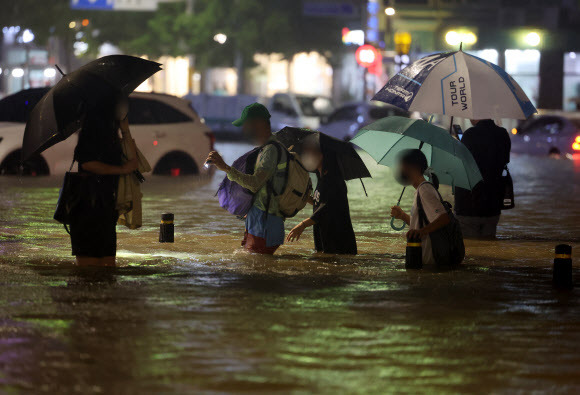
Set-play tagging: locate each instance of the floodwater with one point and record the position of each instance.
(200, 315)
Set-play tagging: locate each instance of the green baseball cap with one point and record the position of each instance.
(254, 110)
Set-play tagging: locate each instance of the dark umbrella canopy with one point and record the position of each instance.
(351, 164)
(60, 112)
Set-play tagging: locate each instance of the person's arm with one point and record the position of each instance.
(440, 222)
(265, 167)
(296, 232)
(310, 200)
(101, 168)
(434, 211)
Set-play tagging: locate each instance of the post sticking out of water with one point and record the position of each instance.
(166, 228)
(562, 277)
(414, 254)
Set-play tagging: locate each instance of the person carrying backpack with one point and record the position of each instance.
(431, 218)
(279, 187)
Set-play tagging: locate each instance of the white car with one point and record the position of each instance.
(166, 129)
(302, 111)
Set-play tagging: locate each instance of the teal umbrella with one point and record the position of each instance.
(447, 157)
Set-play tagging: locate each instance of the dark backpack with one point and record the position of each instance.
(446, 242)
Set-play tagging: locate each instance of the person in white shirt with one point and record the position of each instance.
(410, 171)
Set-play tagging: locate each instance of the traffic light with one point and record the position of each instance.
(403, 43)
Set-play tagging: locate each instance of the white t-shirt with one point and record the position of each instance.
(433, 209)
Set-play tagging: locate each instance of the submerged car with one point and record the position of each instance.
(550, 133)
(345, 122)
(166, 129)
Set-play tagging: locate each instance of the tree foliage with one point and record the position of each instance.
(252, 26)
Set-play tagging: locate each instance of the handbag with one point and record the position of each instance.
(446, 242)
(68, 197)
(75, 187)
(508, 201)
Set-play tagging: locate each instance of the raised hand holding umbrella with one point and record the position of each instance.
(60, 113)
(457, 84)
(383, 140)
(351, 164)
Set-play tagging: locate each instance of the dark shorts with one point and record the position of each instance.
(93, 233)
(257, 245)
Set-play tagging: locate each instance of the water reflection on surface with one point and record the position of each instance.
(202, 315)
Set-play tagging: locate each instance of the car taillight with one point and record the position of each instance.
(211, 137)
(576, 144)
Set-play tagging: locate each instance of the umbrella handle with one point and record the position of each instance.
(398, 204)
(395, 227)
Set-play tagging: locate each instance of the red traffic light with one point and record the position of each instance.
(367, 56)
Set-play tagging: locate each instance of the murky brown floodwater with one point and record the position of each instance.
(202, 316)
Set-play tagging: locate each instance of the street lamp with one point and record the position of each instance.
(27, 36)
(220, 38)
(532, 39)
(390, 11)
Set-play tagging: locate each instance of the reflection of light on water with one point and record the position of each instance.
(201, 306)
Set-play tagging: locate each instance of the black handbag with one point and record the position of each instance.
(75, 187)
(508, 201)
(447, 242)
(68, 197)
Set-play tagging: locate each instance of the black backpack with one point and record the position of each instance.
(446, 242)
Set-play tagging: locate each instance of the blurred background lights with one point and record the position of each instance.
(220, 38)
(390, 11)
(533, 39)
(49, 72)
(455, 38)
(18, 72)
(27, 36)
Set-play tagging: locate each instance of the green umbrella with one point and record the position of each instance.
(447, 157)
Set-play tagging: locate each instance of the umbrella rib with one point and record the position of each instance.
(389, 150)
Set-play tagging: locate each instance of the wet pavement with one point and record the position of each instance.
(200, 315)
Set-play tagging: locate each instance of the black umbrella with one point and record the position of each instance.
(60, 112)
(351, 164)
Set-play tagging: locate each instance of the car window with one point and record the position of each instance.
(150, 111)
(543, 125)
(283, 104)
(141, 112)
(313, 106)
(347, 113)
(17, 107)
(167, 114)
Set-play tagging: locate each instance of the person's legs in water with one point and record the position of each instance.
(478, 227)
(489, 226)
(109, 261)
(88, 261)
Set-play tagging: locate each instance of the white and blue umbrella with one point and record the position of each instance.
(457, 84)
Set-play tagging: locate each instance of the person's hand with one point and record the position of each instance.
(215, 159)
(124, 125)
(397, 212)
(130, 166)
(296, 232)
(416, 234)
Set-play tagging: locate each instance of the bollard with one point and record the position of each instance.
(166, 228)
(563, 267)
(414, 255)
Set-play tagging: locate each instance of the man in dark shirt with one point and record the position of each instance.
(478, 211)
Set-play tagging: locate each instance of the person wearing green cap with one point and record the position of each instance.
(264, 223)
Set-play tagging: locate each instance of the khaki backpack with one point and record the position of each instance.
(297, 184)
